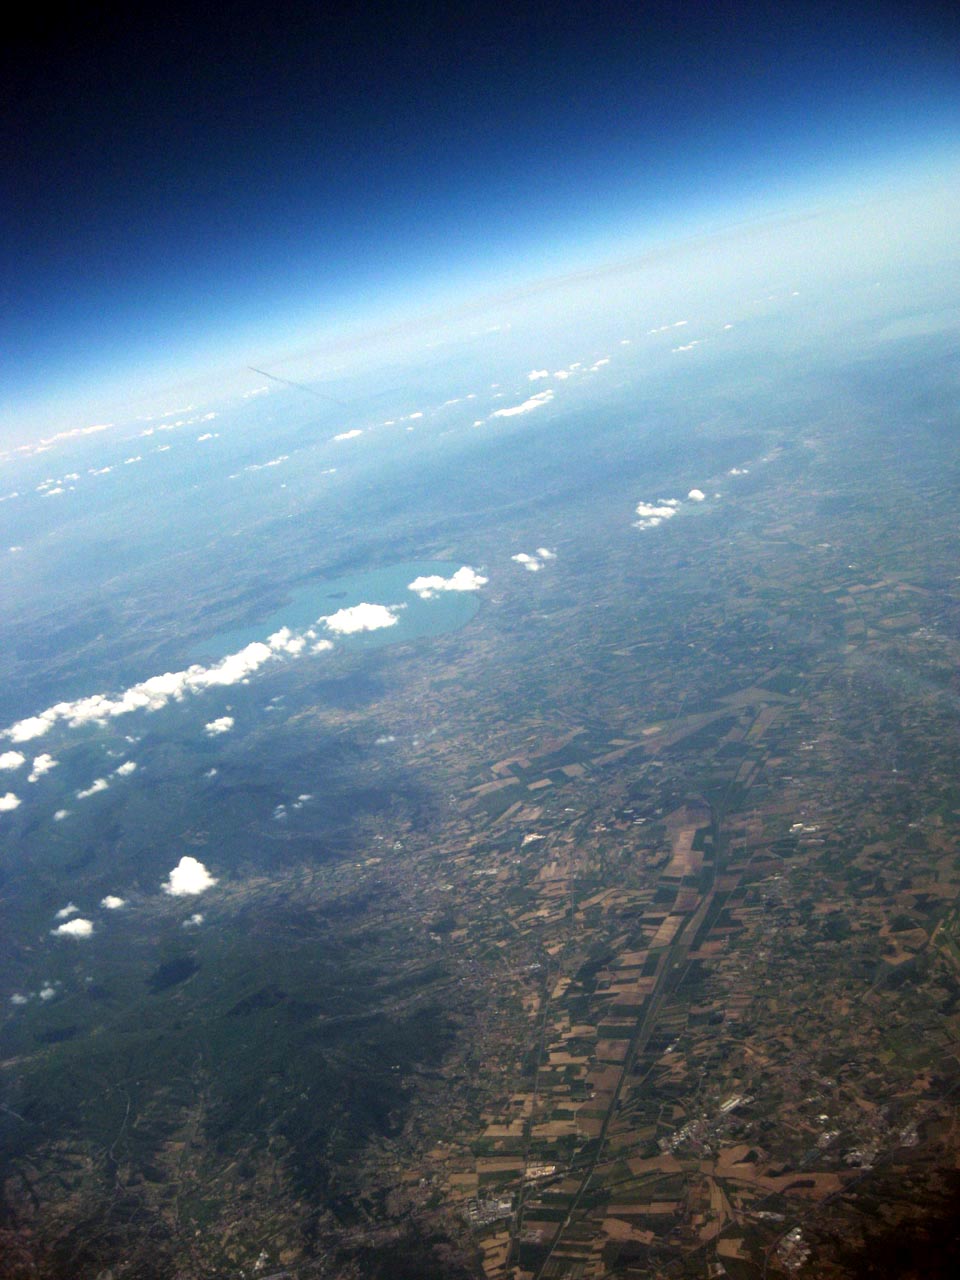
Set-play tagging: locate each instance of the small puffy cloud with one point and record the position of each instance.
(321, 646)
(534, 563)
(47, 991)
(64, 913)
(41, 764)
(101, 784)
(360, 617)
(9, 802)
(61, 814)
(207, 435)
(188, 877)
(534, 402)
(194, 921)
(12, 759)
(18, 999)
(222, 724)
(739, 471)
(696, 495)
(124, 770)
(686, 347)
(653, 513)
(76, 928)
(284, 641)
(536, 374)
(430, 585)
(349, 435)
(529, 562)
(112, 903)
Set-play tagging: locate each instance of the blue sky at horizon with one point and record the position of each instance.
(201, 191)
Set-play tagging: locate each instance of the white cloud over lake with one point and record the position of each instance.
(430, 585)
(360, 617)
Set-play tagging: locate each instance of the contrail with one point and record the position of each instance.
(311, 391)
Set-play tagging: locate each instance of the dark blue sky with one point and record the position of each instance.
(177, 184)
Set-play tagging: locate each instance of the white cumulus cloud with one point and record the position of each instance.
(41, 764)
(112, 903)
(536, 374)
(9, 802)
(529, 562)
(124, 770)
(188, 877)
(101, 784)
(222, 724)
(12, 759)
(653, 513)
(696, 495)
(430, 585)
(360, 617)
(284, 641)
(76, 928)
(349, 435)
(64, 913)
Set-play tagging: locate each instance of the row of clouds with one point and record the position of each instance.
(652, 514)
(156, 692)
(11, 760)
(54, 486)
(534, 563)
(187, 879)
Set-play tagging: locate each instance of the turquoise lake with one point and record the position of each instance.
(446, 611)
